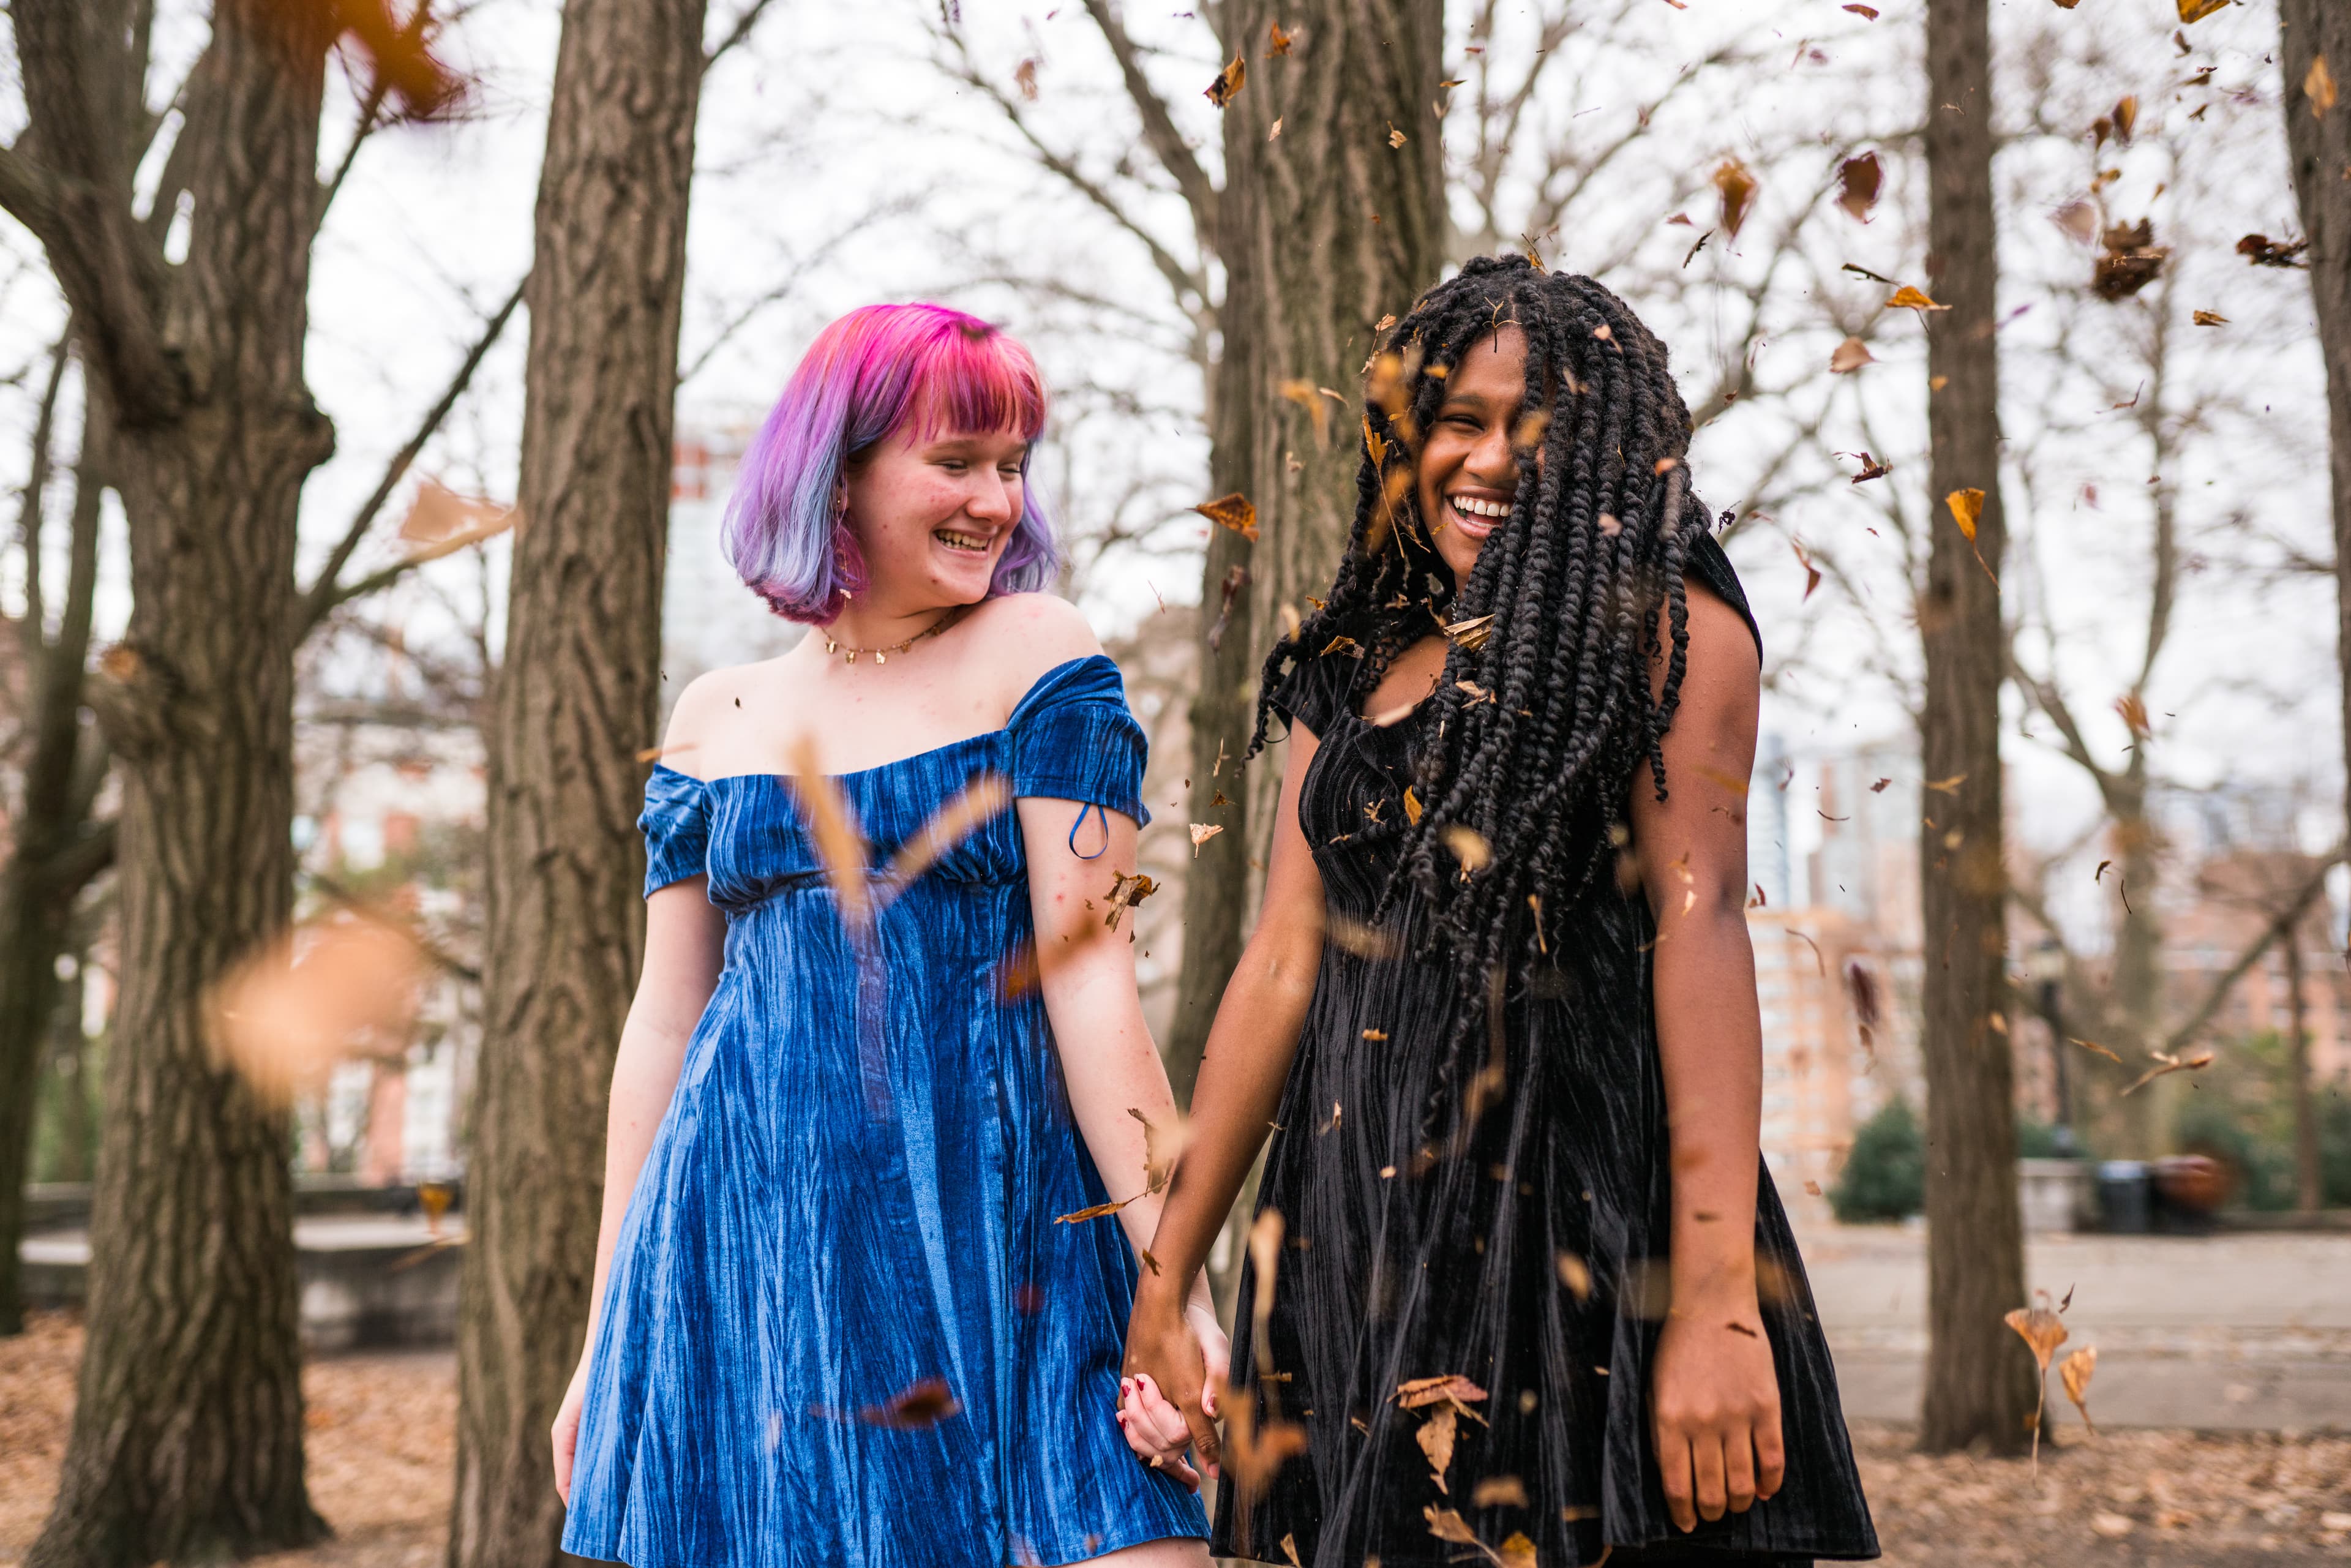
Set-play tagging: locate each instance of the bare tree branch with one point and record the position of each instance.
(736, 34)
(1167, 144)
(325, 593)
(1189, 286)
(2280, 927)
(28, 514)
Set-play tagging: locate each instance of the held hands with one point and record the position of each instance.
(1174, 1384)
(1715, 1410)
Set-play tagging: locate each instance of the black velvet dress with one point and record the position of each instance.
(1409, 1256)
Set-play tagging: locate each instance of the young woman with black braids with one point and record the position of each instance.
(1499, 1011)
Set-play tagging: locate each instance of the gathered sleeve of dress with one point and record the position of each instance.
(676, 826)
(1315, 692)
(1073, 738)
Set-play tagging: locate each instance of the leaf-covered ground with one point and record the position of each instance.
(382, 1435)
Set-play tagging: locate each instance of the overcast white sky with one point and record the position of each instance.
(839, 165)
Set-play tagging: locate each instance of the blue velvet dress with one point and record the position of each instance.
(840, 1324)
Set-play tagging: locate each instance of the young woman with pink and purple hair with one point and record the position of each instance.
(836, 1320)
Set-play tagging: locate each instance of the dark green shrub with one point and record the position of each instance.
(1885, 1176)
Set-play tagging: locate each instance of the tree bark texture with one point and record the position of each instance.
(187, 1434)
(1980, 1385)
(54, 853)
(578, 696)
(2318, 145)
(1323, 229)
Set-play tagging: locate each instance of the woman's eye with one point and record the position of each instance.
(953, 464)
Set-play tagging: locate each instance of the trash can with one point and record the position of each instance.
(2123, 1194)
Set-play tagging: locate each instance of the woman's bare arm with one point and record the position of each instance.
(1715, 1401)
(1242, 1071)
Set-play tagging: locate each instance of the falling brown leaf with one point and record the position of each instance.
(987, 794)
(1275, 134)
(1947, 786)
(2197, 10)
(1435, 1439)
(1868, 13)
(1499, 1491)
(1341, 644)
(399, 50)
(1024, 76)
(2093, 1045)
(838, 844)
(1813, 1188)
(1234, 511)
(344, 986)
(1201, 833)
(2318, 86)
(2128, 261)
(1871, 469)
(1397, 138)
(1735, 185)
(2210, 318)
(2040, 1328)
(921, 1405)
(2125, 117)
(1126, 893)
(2134, 714)
(2075, 1371)
(1811, 573)
(1252, 1453)
(1518, 1552)
(1412, 806)
(1911, 298)
(1967, 507)
(1471, 634)
(1302, 392)
(1446, 1525)
(1528, 434)
(2078, 219)
(1363, 941)
(1576, 1275)
(1015, 973)
(1228, 83)
(1850, 356)
(2169, 1061)
(2263, 251)
(1858, 179)
(1278, 40)
(1413, 1392)
(1469, 846)
(438, 515)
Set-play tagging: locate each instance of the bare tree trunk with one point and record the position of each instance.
(1323, 229)
(1979, 1380)
(576, 697)
(187, 1434)
(2315, 32)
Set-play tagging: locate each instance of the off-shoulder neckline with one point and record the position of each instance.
(1011, 722)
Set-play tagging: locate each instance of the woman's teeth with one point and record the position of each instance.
(1473, 507)
(976, 543)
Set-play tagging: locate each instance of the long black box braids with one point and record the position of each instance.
(1537, 754)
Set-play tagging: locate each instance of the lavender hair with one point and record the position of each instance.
(863, 380)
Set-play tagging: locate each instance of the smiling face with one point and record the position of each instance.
(932, 514)
(1467, 471)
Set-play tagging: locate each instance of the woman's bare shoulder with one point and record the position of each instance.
(1025, 634)
(694, 719)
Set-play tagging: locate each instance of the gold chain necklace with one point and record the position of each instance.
(881, 655)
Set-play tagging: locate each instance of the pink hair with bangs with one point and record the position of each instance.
(877, 371)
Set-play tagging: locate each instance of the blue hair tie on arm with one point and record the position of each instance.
(1082, 809)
